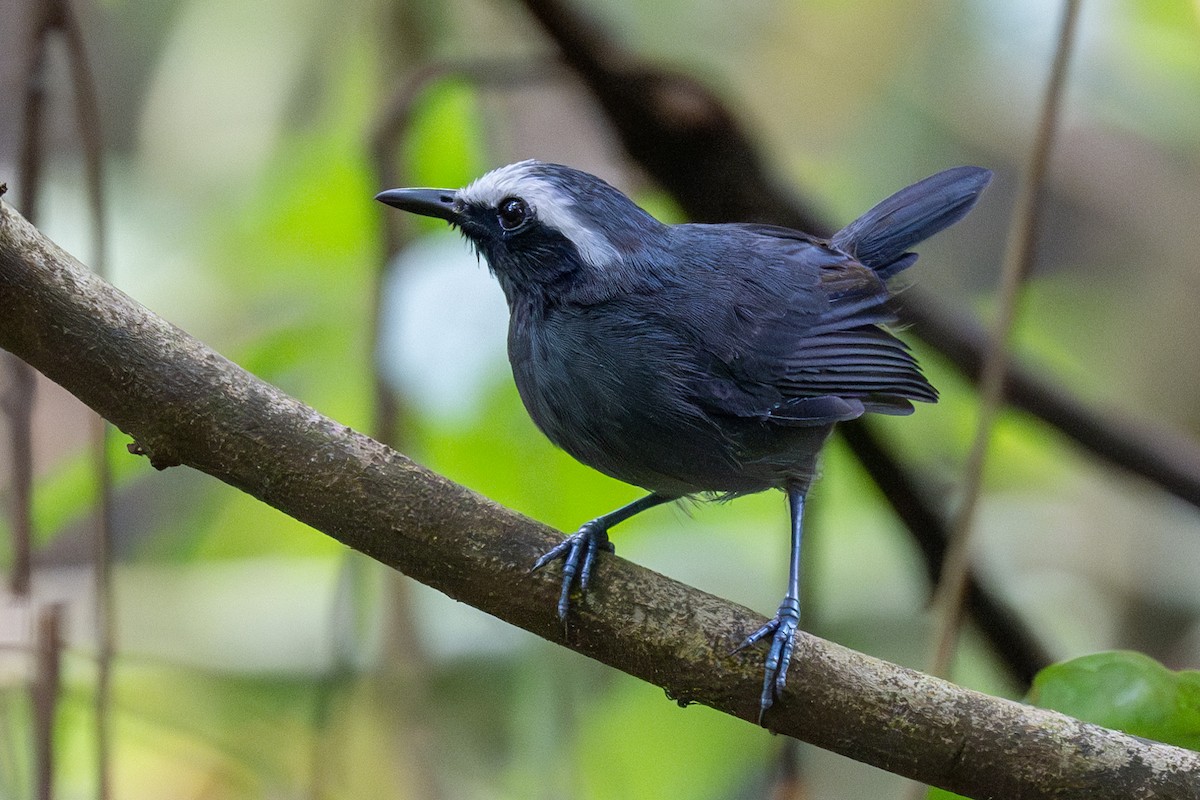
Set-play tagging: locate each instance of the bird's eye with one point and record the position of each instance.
(512, 213)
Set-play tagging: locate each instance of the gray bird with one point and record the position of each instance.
(694, 359)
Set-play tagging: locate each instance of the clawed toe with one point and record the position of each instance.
(578, 554)
(781, 631)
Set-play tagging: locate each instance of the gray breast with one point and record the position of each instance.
(618, 396)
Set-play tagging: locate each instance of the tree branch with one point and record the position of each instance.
(185, 404)
(1170, 459)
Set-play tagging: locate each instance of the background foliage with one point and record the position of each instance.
(258, 658)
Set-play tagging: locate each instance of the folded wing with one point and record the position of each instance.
(806, 342)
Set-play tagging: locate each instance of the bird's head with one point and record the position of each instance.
(540, 225)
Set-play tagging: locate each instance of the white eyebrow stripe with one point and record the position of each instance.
(550, 206)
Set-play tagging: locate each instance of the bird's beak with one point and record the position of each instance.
(428, 202)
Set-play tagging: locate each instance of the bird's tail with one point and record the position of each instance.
(881, 237)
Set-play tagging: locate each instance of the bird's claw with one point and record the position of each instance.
(782, 632)
(578, 554)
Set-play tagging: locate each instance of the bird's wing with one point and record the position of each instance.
(800, 339)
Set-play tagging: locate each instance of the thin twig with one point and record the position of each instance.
(17, 401)
(1018, 261)
(788, 773)
(1167, 458)
(57, 16)
(19, 398)
(88, 119)
(1016, 646)
(44, 694)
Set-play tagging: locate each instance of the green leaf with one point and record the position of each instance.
(1123, 690)
(1128, 691)
(942, 794)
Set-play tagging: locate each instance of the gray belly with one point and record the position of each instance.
(634, 419)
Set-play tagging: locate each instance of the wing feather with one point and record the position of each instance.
(803, 340)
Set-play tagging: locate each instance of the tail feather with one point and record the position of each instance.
(881, 237)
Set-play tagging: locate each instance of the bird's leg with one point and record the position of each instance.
(578, 551)
(782, 629)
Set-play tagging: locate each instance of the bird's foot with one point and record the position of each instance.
(578, 554)
(782, 632)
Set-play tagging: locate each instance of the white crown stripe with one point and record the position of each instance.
(551, 207)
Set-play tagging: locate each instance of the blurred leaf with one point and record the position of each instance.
(1127, 691)
(444, 146)
(298, 258)
(634, 743)
(1124, 690)
(68, 494)
(244, 527)
(1167, 34)
(187, 733)
(661, 206)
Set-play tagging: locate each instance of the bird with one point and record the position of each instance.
(695, 360)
